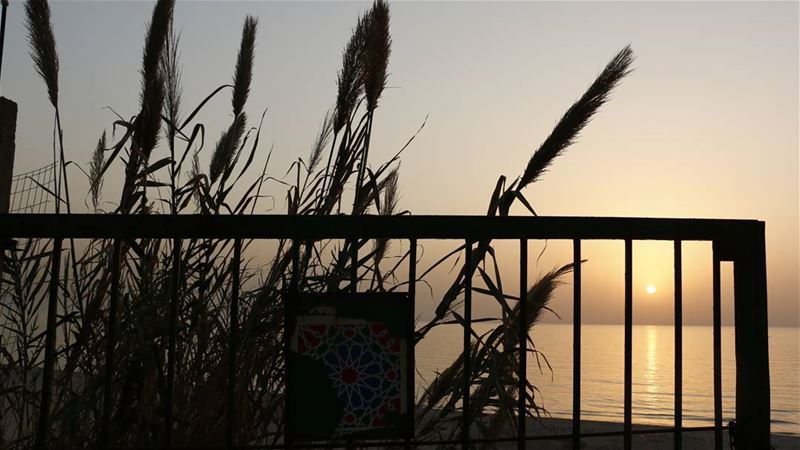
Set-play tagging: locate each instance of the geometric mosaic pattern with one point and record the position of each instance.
(349, 366)
(363, 363)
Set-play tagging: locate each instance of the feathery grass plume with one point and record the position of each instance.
(225, 149)
(565, 132)
(196, 175)
(323, 137)
(244, 65)
(537, 299)
(348, 80)
(577, 116)
(539, 296)
(149, 120)
(171, 68)
(42, 44)
(156, 37)
(388, 187)
(377, 49)
(349, 89)
(96, 171)
(487, 375)
(224, 152)
(151, 99)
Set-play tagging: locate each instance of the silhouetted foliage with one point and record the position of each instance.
(233, 185)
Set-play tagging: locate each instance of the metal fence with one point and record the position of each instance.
(739, 241)
(31, 192)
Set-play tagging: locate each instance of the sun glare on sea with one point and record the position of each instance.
(650, 289)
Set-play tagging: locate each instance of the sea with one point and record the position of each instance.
(602, 372)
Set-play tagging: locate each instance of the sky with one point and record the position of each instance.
(705, 126)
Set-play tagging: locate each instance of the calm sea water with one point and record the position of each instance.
(602, 372)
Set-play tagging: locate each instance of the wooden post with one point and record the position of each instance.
(752, 343)
(8, 128)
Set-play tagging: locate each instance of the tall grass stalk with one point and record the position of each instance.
(232, 185)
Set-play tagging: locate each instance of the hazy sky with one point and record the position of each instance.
(706, 126)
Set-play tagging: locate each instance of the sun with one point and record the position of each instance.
(651, 289)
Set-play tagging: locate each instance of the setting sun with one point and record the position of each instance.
(651, 289)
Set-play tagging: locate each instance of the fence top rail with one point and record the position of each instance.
(269, 226)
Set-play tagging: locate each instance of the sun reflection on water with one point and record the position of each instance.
(651, 371)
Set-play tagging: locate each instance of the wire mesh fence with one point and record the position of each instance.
(32, 192)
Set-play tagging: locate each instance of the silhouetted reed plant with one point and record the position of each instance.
(157, 150)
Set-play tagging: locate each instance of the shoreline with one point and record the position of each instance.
(698, 439)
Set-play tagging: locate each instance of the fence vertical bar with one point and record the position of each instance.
(717, 349)
(111, 342)
(678, 275)
(412, 293)
(522, 377)
(465, 419)
(49, 348)
(354, 264)
(576, 345)
(173, 337)
(628, 340)
(230, 435)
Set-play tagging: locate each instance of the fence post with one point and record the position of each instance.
(8, 128)
(752, 343)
